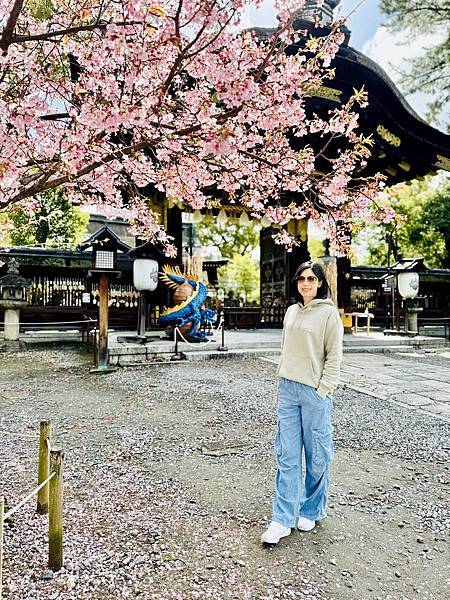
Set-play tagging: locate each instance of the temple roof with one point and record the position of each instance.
(406, 147)
(105, 238)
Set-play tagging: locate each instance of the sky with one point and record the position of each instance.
(368, 35)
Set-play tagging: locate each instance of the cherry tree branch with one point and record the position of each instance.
(7, 34)
(71, 30)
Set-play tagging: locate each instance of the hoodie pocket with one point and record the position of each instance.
(300, 365)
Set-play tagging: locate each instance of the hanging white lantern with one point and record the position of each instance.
(222, 217)
(408, 284)
(197, 216)
(145, 274)
(243, 219)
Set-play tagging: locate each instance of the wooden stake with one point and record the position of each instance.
(2, 512)
(44, 465)
(55, 523)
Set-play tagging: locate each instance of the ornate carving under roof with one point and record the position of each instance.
(406, 147)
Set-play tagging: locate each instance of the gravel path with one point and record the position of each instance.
(168, 486)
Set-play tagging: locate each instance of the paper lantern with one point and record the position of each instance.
(408, 284)
(222, 217)
(145, 274)
(243, 219)
(197, 216)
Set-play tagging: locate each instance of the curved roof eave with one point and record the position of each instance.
(411, 122)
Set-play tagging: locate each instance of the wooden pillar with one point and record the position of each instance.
(103, 287)
(344, 283)
(299, 255)
(175, 229)
(294, 259)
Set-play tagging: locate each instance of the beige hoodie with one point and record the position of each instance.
(311, 347)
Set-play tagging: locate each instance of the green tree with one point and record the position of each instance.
(429, 72)
(437, 216)
(422, 226)
(51, 221)
(316, 248)
(231, 238)
(241, 276)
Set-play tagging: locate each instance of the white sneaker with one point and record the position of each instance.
(304, 524)
(274, 533)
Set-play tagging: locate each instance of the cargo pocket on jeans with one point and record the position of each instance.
(323, 449)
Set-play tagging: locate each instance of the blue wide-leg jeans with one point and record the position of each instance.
(304, 424)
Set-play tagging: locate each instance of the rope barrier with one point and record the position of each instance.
(25, 500)
(49, 496)
(59, 322)
(206, 343)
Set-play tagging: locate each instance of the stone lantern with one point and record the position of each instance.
(12, 299)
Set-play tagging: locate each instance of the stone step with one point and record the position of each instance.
(142, 357)
(393, 341)
(233, 353)
(145, 356)
(379, 349)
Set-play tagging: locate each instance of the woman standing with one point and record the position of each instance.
(309, 371)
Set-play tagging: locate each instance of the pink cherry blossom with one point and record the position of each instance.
(106, 99)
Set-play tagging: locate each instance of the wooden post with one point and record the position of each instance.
(103, 287)
(44, 465)
(55, 524)
(2, 512)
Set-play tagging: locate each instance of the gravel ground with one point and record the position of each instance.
(168, 486)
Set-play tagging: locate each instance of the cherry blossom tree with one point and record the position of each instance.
(108, 99)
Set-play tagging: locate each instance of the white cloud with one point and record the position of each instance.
(393, 51)
(261, 16)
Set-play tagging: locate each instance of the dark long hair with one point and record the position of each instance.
(324, 290)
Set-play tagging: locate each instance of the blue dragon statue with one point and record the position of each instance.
(191, 310)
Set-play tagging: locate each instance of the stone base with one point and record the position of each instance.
(12, 346)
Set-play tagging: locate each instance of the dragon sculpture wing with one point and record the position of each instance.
(173, 277)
